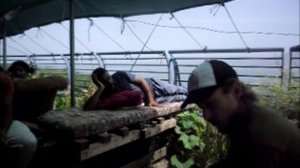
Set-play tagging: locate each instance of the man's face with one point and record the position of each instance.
(219, 108)
(20, 72)
(106, 79)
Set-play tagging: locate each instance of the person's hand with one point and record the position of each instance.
(152, 103)
(97, 82)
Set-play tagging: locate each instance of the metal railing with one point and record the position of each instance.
(294, 64)
(257, 66)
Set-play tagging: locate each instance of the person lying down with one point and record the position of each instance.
(123, 89)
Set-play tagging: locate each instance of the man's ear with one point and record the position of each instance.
(237, 89)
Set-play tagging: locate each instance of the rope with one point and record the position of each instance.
(214, 30)
(78, 40)
(21, 45)
(108, 36)
(54, 39)
(122, 25)
(90, 26)
(38, 44)
(150, 35)
(137, 37)
(235, 26)
(17, 50)
(189, 34)
(214, 10)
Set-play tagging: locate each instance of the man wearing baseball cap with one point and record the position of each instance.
(258, 138)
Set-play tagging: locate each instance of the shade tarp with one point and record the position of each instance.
(21, 15)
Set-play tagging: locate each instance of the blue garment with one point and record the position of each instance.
(19, 145)
(160, 88)
(162, 91)
(165, 92)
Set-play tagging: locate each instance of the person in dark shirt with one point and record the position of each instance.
(258, 137)
(20, 70)
(17, 143)
(154, 90)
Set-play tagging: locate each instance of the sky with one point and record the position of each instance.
(206, 27)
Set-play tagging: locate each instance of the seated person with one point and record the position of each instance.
(33, 97)
(154, 90)
(17, 143)
(20, 70)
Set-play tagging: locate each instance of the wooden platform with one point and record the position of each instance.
(127, 147)
(115, 140)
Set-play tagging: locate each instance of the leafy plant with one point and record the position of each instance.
(282, 99)
(63, 100)
(86, 94)
(199, 144)
(175, 162)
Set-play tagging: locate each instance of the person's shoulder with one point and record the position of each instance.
(6, 82)
(119, 73)
(4, 77)
(124, 74)
(270, 128)
(273, 119)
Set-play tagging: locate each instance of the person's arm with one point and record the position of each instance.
(258, 156)
(142, 83)
(91, 103)
(267, 156)
(6, 114)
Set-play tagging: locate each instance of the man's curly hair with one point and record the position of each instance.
(27, 67)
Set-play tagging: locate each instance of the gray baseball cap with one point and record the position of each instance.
(206, 78)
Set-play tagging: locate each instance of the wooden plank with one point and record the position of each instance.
(160, 120)
(140, 125)
(165, 125)
(159, 154)
(116, 141)
(97, 148)
(148, 159)
(161, 164)
(123, 131)
(102, 137)
(153, 123)
(81, 143)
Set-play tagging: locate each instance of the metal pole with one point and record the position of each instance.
(4, 46)
(170, 65)
(72, 46)
(290, 66)
(282, 68)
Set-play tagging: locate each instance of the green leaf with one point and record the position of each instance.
(189, 141)
(184, 138)
(188, 124)
(178, 130)
(194, 141)
(176, 163)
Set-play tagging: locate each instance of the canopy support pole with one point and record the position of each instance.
(72, 46)
(4, 46)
